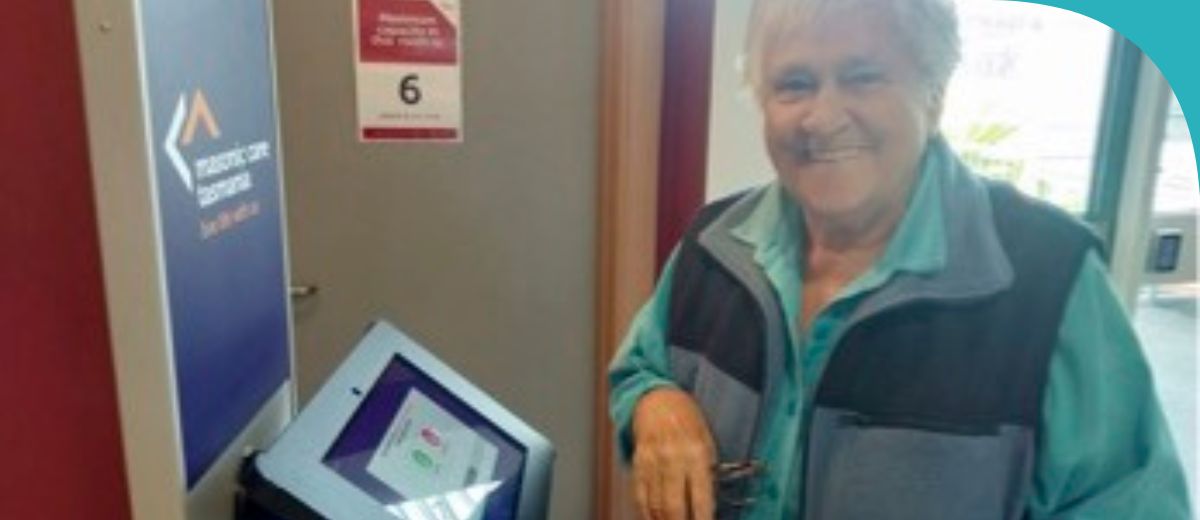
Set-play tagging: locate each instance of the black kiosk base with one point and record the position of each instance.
(258, 499)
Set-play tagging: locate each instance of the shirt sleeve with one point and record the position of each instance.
(641, 364)
(1106, 452)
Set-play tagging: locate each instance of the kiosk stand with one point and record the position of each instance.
(396, 434)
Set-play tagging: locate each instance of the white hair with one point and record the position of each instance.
(929, 28)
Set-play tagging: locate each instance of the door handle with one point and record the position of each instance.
(300, 292)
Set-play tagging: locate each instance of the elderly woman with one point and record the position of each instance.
(880, 334)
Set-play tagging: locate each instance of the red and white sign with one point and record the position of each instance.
(408, 70)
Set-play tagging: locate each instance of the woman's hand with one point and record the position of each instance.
(673, 457)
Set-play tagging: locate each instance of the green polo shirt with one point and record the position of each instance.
(1105, 453)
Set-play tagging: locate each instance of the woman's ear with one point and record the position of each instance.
(936, 102)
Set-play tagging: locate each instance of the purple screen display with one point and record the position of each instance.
(351, 453)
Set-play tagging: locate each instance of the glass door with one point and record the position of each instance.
(1164, 307)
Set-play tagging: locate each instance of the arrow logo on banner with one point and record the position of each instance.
(171, 147)
(199, 114)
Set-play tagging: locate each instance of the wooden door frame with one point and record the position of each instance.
(628, 186)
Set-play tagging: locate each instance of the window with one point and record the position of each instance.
(1025, 103)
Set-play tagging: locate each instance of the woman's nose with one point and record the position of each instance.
(826, 113)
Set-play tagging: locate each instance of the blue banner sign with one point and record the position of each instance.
(209, 83)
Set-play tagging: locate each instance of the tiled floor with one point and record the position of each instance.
(1166, 324)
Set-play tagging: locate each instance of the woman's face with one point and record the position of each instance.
(846, 114)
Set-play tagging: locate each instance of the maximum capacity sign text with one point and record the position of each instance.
(408, 70)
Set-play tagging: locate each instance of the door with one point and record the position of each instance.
(482, 251)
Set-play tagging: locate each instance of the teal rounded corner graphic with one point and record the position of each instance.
(1164, 30)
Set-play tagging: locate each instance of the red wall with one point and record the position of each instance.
(60, 442)
(683, 143)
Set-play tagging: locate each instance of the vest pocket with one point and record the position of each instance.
(864, 467)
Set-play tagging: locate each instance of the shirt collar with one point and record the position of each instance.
(775, 226)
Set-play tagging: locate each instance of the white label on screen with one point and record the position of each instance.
(429, 453)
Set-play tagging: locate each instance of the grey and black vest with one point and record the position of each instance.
(928, 408)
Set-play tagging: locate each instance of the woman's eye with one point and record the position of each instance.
(863, 78)
(793, 85)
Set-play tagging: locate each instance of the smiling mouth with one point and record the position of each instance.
(831, 154)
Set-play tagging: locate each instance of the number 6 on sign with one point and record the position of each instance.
(410, 92)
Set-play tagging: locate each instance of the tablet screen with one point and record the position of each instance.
(424, 454)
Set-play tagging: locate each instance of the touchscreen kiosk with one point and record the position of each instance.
(396, 434)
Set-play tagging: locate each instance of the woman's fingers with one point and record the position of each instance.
(674, 483)
(700, 492)
(641, 495)
(674, 491)
(649, 480)
(673, 458)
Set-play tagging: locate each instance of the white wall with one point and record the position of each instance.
(737, 157)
